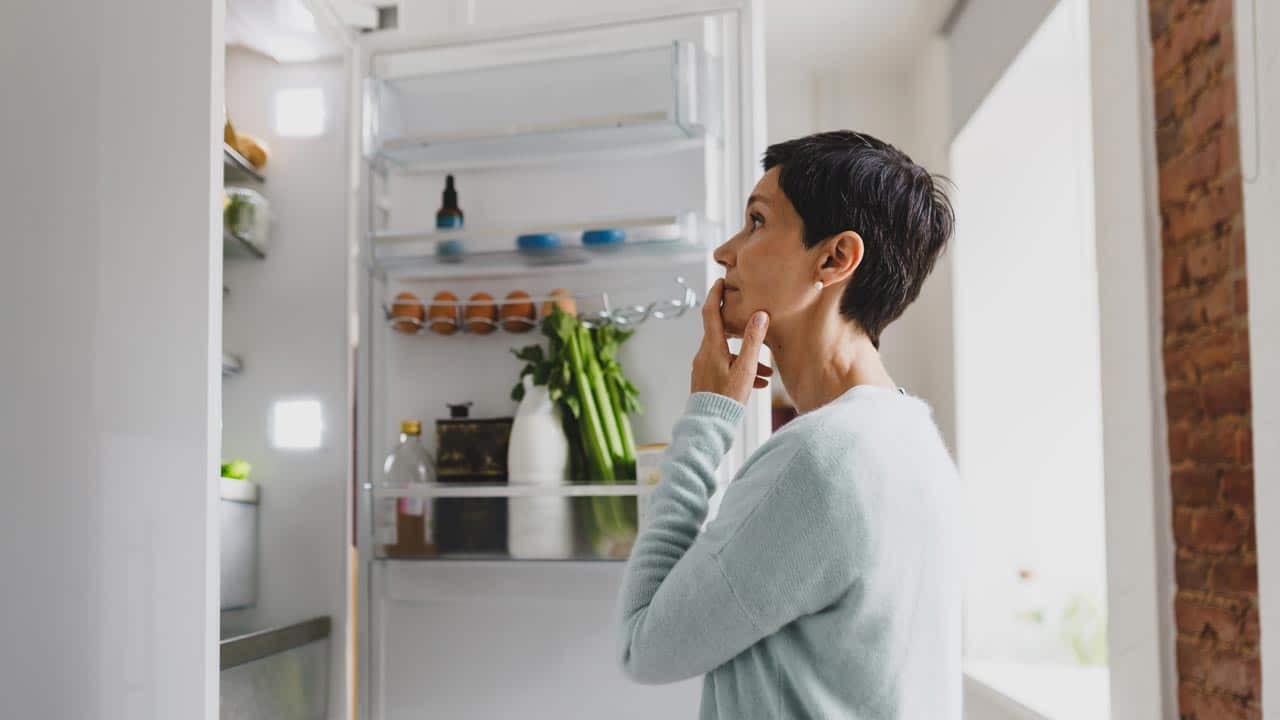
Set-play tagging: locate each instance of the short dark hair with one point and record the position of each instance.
(844, 180)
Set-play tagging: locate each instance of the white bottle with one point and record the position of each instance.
(538, 528)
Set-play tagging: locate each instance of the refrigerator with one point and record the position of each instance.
(650, 123)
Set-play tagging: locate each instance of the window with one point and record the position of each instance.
(1028, 383)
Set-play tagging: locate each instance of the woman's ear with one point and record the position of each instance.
(844, 254)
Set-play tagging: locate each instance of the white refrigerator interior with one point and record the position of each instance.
(648, 125)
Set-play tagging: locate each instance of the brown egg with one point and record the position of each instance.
(443, 313)
(564, 300)
(482, 314)
(407, 305)
(511, 310)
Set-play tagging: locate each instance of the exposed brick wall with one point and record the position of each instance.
(1206, 359)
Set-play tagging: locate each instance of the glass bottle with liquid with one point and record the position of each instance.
(403, 525)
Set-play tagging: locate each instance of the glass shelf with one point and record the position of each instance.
(525, 145)
(236, 167)
(654, 242)
(513, 522)
(498, 112)
(648, 255)
(508, 490)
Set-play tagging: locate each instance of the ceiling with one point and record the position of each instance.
(886, 34)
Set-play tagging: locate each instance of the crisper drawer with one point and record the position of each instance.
(497, 108)
(485, 640)
(238, 543)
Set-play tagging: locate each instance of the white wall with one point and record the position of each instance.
(1027, 369)
(287, 317)
(109, 405)
(1135, 458)
(909, 109)
(1259, 73)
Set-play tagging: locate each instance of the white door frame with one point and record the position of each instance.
(1135, 453)
(1258, 68)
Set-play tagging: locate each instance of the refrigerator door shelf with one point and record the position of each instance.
(636, 256)
(543, 110)
(652, 242)
(603, 520)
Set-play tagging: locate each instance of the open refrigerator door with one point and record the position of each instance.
(596, 165)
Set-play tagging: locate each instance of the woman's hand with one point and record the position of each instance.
(717, 370)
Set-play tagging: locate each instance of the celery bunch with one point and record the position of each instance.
(582, 374)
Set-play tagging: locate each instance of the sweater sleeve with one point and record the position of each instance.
(691, 602)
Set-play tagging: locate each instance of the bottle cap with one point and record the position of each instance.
(411, 427)
(450, 193)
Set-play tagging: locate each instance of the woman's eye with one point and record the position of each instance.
(756, 221)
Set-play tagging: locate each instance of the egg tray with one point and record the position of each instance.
(423, 327)
(621, 316)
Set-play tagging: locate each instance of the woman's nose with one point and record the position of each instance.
(724, 255)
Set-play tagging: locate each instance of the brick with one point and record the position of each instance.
(1235, 576)
(1220, 351)
(1184, 404)
(1207, 259)
(1180, 363)
(1207, 621)
(1239, 676)
(1244, 446)
(1181, 314)
(1173, 264)
(1219, 302)
(1195, 487)
(1212, 107)
(1196, 704)
(1193, 660)
(1169, 140)
(1206, 442)
(1237, 487)
(1206, 358)
(1229, 394)
(1202, 213)
(1191, 572)
(1250, 630)
(1183, 523)
(1235, 233)
(1217, 530)
(1188, 32)
(1179, 445)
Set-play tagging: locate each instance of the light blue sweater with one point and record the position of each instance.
(826, 586)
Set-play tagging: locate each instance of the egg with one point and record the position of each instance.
(442, 316)
(482, 314)
(407, 305)
(563, 299)
(513, 309)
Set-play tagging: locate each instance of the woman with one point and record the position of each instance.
(827, 585)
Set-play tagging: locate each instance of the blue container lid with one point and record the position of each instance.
(538, 241)
(605, 236)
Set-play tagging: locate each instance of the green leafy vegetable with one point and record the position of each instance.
(580, 369)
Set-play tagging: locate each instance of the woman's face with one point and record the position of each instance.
(766, 264)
